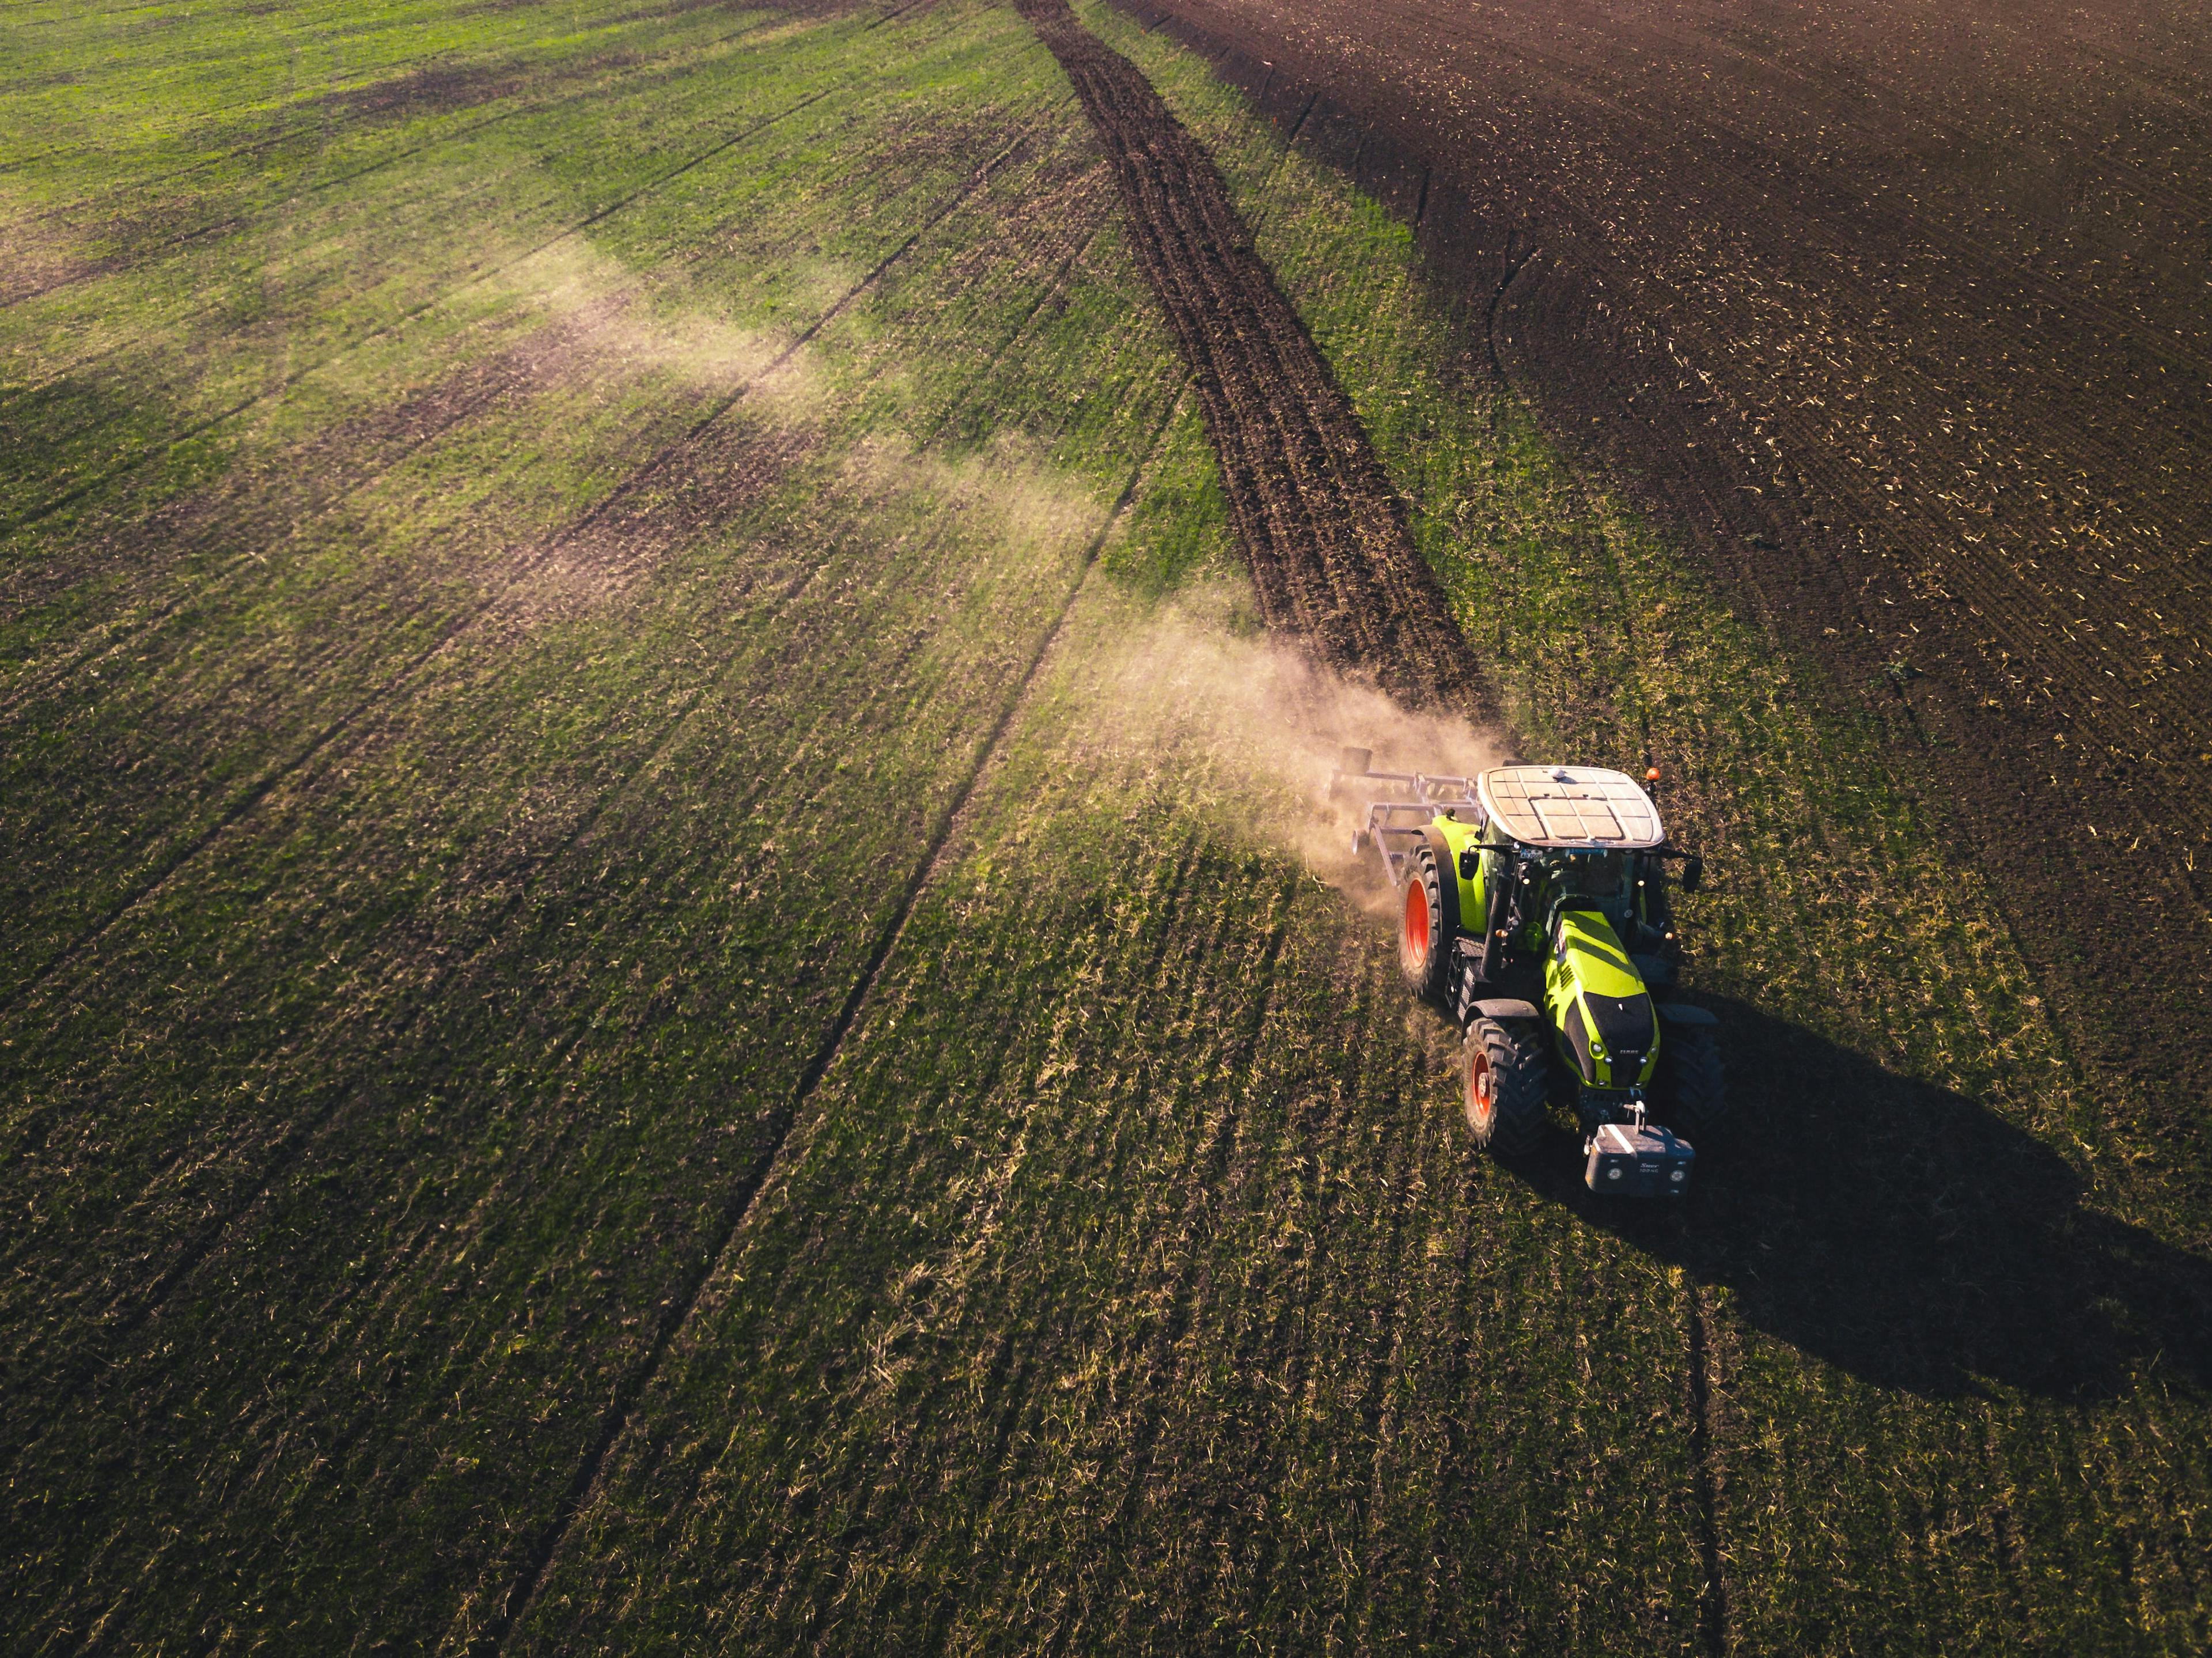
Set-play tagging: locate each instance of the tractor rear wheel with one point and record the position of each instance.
(1424, 948)
(1503, 1066)
(1694, 1093)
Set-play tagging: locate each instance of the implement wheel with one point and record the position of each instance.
(1503, 1067)
(1693, 1090)
(1424, 941)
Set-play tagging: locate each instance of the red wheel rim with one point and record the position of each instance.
(1417, 922)
(1481, 1089)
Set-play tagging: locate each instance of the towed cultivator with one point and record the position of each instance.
(1532, 907)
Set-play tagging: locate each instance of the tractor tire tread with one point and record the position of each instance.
(1517, 1066)
(1426, 967)
(1696, 1094)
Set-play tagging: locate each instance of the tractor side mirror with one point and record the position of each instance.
(1470, 863)
(1693, 874)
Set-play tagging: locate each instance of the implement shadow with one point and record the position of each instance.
(1905, 1234)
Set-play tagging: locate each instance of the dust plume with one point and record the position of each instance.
(610, 322)
(1258, 720)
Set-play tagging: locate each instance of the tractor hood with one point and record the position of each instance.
(1608, 1028)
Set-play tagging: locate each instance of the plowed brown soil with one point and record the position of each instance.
(1313, 509)
(1902, 315)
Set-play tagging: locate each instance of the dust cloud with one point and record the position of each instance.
(610, 323)
(1259, 721)
(1013, 499)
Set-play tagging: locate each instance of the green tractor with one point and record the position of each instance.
(1532, 907)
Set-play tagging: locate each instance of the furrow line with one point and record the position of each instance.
(254, 147)
(328, 492)
(1212, 1166)
(1712, 1601)
(677, 1310)
(615, 87)
(1049, 292)
(623, 72)
(518, 363)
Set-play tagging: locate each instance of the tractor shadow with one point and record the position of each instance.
(1906, 1234)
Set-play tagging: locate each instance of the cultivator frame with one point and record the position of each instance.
(1427, 795)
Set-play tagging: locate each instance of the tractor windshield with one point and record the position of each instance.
(1602, 876)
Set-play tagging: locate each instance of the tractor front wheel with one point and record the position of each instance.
(1424, 948)
(1503, 1066)
(1694, 1093)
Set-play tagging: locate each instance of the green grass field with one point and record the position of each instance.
(666, 990)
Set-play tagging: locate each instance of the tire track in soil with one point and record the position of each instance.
(677, 1309)
(325, 475)
(1053, 295)
(324, 472)
(295, 1142)
(1167, 984)
(523, 568)
(1712, 1605)
(133, 1312)
(1320, 525)
(320, 477)
(1207, 1192)
(2013, 720)
(568, 103)
(391, 77)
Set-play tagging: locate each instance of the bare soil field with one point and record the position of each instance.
(1903, 314)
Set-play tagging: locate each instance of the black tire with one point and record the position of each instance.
(1694, 1092)
(1424, 929)
(1501, 1070)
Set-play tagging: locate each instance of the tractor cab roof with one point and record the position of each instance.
(1577, 807)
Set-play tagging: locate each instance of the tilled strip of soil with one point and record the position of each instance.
(1314, 511)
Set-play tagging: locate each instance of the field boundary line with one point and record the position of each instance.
(522, 1592)
(255, 792)
(198, 428)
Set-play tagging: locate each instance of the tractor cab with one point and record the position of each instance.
(1572, 841)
